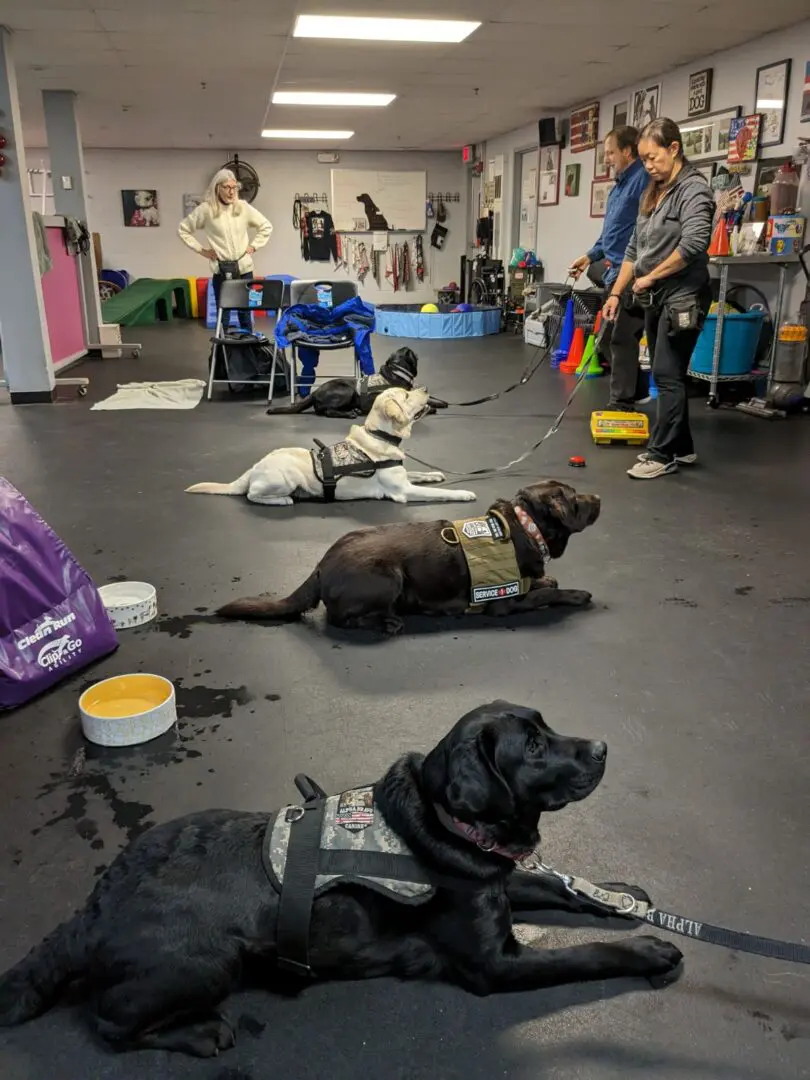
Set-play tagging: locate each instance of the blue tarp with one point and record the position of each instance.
(305, 324)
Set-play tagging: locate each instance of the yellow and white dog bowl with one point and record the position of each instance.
(128, 709)
(129, 603)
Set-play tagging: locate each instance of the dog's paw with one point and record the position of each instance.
(208, 1039)
(434, 478)
(578, 597)
(546, 583)
(467, 496)
(392, 625)
(662, 961)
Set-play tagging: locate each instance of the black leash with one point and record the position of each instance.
(632, 908)
(518, 460)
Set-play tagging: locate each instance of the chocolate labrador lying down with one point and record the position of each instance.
(189, 905)
(370, 578)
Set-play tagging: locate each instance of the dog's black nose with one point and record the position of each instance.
(598, 751)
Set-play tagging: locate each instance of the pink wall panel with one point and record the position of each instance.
(62, 298)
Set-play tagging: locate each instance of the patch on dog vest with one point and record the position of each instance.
(342, 454)
(491, 560)
(352, 824)
(369, 387)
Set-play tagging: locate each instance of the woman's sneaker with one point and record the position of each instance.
(651, 469)
(682, 459)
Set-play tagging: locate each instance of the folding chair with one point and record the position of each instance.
(305, 292)
(262, 294)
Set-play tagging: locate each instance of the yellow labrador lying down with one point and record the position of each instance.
(368, 464)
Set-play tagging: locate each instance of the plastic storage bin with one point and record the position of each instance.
(741, 333)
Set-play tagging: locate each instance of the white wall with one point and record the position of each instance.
(567, 230)
(158, 252)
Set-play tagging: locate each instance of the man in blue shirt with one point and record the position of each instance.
(627, 386)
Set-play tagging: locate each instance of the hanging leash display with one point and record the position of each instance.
(631, 907)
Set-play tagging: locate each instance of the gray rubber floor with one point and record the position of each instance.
(692, 664)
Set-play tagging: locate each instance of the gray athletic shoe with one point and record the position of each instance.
(682, 459)
(651, 469)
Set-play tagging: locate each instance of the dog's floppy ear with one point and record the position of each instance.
(394, 412)
(563, 503)
(475, 786)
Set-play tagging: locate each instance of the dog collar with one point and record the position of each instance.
(469, 832)
(532, 530)
(394, 440)
(406, 376)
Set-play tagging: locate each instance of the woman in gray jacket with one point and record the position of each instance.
(666, 262)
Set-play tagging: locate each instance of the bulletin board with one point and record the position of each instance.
(370, 200)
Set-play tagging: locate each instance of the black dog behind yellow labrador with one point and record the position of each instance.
(347, 399)
(188, 906)
(370, 579)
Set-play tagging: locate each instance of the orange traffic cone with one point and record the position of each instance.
(598, 324)
(570, 365)
(719, 244)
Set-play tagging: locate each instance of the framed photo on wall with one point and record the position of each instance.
(700, 92)
(805, 113)
(140, 207)
(601, 169)
(646, 106)
(600, 189)
(572, 174)
(743, 139)
(706, 138)
(621, 114)
(548, 188)
(585, 128)
(770, 99)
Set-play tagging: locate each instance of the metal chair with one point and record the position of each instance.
(262, 294)
(306, 292)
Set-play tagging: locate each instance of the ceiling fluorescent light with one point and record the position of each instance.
(304, 133)
(351, 28)
(317, 97)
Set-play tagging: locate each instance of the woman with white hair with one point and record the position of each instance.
(225, 221)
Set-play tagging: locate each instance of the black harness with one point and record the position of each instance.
(331, 463)
(369, 387)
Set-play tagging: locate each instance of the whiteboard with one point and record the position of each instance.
(369, 200)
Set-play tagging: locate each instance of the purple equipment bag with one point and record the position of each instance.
(52, 619)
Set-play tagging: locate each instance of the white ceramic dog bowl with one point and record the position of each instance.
(129, 603)
(128, 709)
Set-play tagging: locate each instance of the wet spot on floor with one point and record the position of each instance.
(680, 601)
(117, 577)
(235, 580)
(195, 702)
(790, 601)
(181, 626)
(129, 816)
(744, 590)
(201, 609)
(272, 697)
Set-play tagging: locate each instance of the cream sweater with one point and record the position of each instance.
(227, 233)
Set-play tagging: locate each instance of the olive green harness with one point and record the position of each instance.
(487, 545)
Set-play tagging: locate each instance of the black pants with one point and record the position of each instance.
(243, 316)
(628, 383)
(670, 354)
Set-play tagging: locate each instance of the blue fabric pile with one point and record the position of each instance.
(307, 325)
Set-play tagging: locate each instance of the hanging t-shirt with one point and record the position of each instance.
(321, 243)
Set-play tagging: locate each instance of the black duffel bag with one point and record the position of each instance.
(250, 359)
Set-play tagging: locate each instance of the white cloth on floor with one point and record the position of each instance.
(182, 394)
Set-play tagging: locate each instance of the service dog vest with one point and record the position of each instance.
(330, 463)
(369, 387)
(356, 846)
(487, 546)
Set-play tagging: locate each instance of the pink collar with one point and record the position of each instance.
(532, 530)
(469, 832)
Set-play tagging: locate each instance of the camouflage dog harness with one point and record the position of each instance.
(486, 543)
(330, 463)
(328, 841)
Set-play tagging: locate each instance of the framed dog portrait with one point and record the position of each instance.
(140, 206)
(601, 169)
(572, 174)
(646, 106)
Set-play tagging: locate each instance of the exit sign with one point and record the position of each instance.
(468, 154)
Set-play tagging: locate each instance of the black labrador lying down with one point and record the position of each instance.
(348, 398)
(190, 905)
(370, 578)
